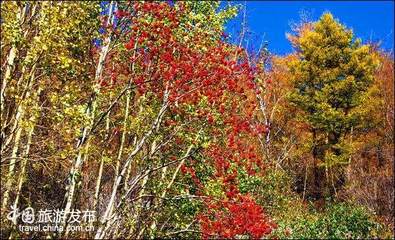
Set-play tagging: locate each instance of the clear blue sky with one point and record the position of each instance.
(270, 20)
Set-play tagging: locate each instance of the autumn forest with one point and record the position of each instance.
(138, 120)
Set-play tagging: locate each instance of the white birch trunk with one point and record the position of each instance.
(14, 154)
(10, 60)
(23, 167)
(163, 195)
(81, 146)
(108, 213)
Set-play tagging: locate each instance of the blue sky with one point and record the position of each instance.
(270, 20)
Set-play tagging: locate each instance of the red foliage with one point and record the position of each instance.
(187, 75)
(242, 216)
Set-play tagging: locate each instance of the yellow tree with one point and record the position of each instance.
(45, 43)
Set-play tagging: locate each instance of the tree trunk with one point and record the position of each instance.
(107, 215)
(318, 171)
(14, 154)
(162, 196)
(91, 112)
(100, 174)
(23, 168)
(10, 59)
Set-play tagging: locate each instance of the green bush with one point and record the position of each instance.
(337, 221)
(298, 219)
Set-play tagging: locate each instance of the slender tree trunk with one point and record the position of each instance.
(125, 122)
(7, 74)
(100, 174)
(21, 15)
(11, 168)
(98, 184)
(91, 112)
(23, 168)
(129, 170)
(22, 174)
(108, 213)
(120, 151)
(14, 154)
(305, 182)
(170, 184)
(318, 173)
(138, 204)
(128, 103)
(18, 116)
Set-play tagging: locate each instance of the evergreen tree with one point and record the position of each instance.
(330, 76)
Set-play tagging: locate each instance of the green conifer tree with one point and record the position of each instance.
(330, 76)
